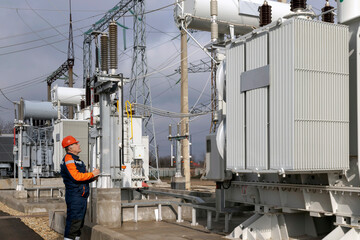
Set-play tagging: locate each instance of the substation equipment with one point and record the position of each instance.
(289, 109)
(110, 137)
(33, 143)
(6, 155)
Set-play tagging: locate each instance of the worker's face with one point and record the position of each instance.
(75, 148)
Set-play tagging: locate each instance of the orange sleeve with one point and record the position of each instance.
(78, 176)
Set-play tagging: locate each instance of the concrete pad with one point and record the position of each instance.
(57, 220)
(178, 183)
(165, 230)
(105, 208)
(31, 205)
(10, 183)
(102, 233)
(21, 194)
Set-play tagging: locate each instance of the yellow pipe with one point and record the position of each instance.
(129, 113)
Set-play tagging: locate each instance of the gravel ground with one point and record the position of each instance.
(39, 224)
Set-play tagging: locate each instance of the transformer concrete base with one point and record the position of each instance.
(178, 183)
(105, 207)
(21, 194)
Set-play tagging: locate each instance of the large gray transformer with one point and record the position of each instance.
(286, 150)
(288, 99)
(36, 143)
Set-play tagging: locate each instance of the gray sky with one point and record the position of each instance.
(33, 43)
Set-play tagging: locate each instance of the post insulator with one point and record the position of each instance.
(297, 5)
(113, 45)
(265, 14)
(327, 17)
(104, 41)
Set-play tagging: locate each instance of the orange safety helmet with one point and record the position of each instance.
(67, 141)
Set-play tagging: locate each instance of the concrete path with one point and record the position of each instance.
(165, 230)
(13, 228)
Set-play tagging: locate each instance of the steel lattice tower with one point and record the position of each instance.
(139, 89)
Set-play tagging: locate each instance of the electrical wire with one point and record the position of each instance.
(16, 85)
(46, 29)
(202, 92)
(6, 97)
(51, 24)
(17, 12)
(35, 47)
(157, 71)
(39, 39)
(166, 113)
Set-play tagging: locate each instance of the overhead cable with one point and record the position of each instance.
(166, 113)
(46, 29)
(50, 24)
(6, 97)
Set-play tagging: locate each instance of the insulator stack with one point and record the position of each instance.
(265, 14)
(104, 41)
(96, 96)
(113, 47)
(327, 17)
(82, 104)
(214, 24)
(88, 92)
(297, 5)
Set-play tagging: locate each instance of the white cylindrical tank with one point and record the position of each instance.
(67, 95)
(220, 138)
(39, 110)
(221, 80)
(348, 10)
(243, 14)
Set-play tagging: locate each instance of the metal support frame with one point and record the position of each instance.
(101, 25)
(105, 86)
(160, 203)
(140, 91)
(67, 66)
(214, 96)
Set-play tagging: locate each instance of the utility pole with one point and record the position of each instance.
(185, 109)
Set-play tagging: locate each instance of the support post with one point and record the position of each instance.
(185, 109)
(105, 142)
(208, 225)
(193, 217)
(135, 213)
(159, 211)
(179, 216)
(226, 222)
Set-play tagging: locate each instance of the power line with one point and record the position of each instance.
(50, 24)
(17, 12)
(31, 48)
(39, 39)
(6, 96)
(165, 113)
(64, 10)
(46, 29)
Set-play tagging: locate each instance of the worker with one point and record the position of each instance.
(76, 180)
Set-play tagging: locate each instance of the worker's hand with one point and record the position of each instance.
(96, 172)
